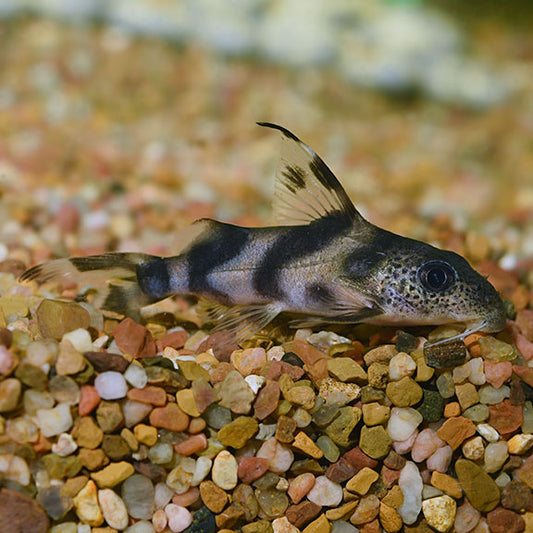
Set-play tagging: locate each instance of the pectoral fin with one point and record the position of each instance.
(242, 321)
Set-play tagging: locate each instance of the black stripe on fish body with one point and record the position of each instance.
(298, 242)
(153, 277)
(224, 242)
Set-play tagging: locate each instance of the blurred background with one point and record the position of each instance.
(123, 121)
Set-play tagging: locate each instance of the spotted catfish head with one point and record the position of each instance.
(411, 282)
(379, 277)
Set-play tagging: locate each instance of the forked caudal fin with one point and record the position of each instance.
(113, 276)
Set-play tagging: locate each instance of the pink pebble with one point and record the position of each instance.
(89, 399)
(440, 460)
(525, 346)
(498, 373)
(159, 520)
(251, 468)
(466, 518)
(179, 518)
(300, 486)
(404, 446)
(7, 360)
(280, 457)
(426, 443)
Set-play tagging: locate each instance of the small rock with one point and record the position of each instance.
(447, 484)
(366, 511)
(346, 369)
(362, 481)
(493, 349)
(467, 395)
(432, 406)
(496, 453)
(498, 373)
(300, 486)
(10, 390)
(440, 512)
(426, 444)
(111, 385)
(109, 416)
(300, 515)
(445, 355)
(55, 318)
(239, 432)
(477, 485)
(69, 360)
(405, 392)
(375, 414)
(54, 421)
(505, 521)
(251, 468)
(113, 474)
(113, 509)
(249, 361)
(170, 417)
(325, 492)
(21, 514)
(466, 518)
(138, 495)
(411, 484)
(235, 393)
(440, 460)
(224, 472)
(86, 505)
(520, 444)
(305, 444)
(179, 518)
(136, 376)
(455, 430)
(403, 423)
(506, 417)
(279, 456)
(390, 518)
(400, 366)
(340, 429)
(134, 339)
(375, 441)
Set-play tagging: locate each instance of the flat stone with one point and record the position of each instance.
(249, 361)
(405, 392)
(301, 514)
(445, 355)
(170, 417)
(325, 492)
(506, 417)
(86, 505)
(151, 395)
(224, 472)
(21, 514)
(113, 474)
(517, 496)
(456, 430)
(134, 339)
(375, 442)
(214, 498)
(187, 402)
(390, 518)
(109, 416)
(362, 481)
(10, 391)
(375, 414)
(106, 362)
(497, 373)
(346, 369)
(32, 376)
(239, 432)
(525, 472)
(447, 484)
(505, 521)
(340, 430)
(305, 444)
(69, 360)
(87, 434)
(366, 511)
(192, 371)
(480, 489)
(235, 393)
(440, 512)
(92, 459)
(285, 428)
(55, 318)
(467, 395)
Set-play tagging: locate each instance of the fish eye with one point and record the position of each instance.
(436, 275)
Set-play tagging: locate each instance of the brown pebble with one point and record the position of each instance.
(103, 361)
(285, 428)
(301, 514)
(251, 468)
(505, 521)
(21, 514)
(149, 394)
(134, 339)
(214, 498)
(455, 430)
(170, 417)
(175, 339)
(307, 352)
(505, 417)
(267, 400)
(517, 496)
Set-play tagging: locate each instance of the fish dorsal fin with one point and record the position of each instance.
(306, 189)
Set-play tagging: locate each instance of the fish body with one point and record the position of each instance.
(325, 263)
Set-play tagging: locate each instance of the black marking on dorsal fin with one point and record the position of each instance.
(306, 189)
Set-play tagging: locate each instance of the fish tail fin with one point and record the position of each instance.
(117, 280)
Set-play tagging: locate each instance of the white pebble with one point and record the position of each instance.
(401, 365)
(461, 373)
(496, 453)
(503, 480)
(113, 508)
(65, 527)
(79, 338)
(255, 382)
(14, 468)
(65, 445)
(140, 527)
(411, 484)
(280, 456)
(111, 385)
(440, 460)
(163, 495)
(54, 421)
(488, 432)
(136, 376)
(325, 492)
(282, 525)
(224, 472)
(403, 422)
(477, 371)
(179, 518)
(84, 528)
(202, 468)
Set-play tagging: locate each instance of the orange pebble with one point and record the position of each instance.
(196, 425)
(452, 409)
(89, 399)
(187, 498)
(193, 444)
